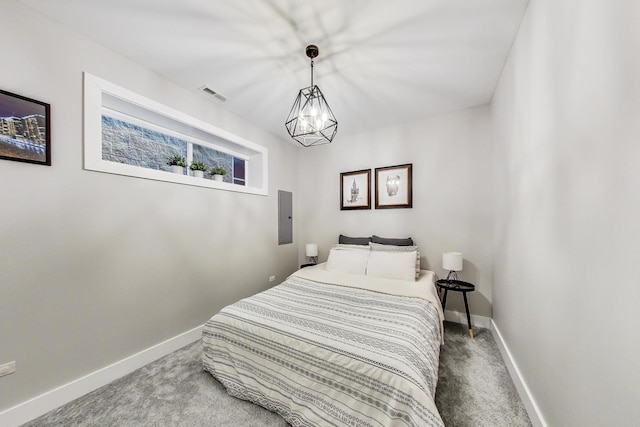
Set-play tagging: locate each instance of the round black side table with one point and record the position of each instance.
(457, 286)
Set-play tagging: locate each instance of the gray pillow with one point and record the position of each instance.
(344, 240)
(396, 242)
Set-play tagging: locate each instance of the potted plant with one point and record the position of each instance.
(198, 169)
(177, 164)
(218, 173)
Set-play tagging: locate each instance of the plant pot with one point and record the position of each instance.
(177, 169)
(198, 174)
(218, 178)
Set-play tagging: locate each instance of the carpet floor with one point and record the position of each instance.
(474, 389)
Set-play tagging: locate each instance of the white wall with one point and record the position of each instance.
(452, 193)
(567, 236)
(95, 267)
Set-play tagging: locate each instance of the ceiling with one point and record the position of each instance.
(381, 62)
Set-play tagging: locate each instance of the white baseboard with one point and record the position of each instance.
(40, 405)
(457, 317)
(525, 394)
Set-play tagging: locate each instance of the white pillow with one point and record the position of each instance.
(392, 265)
(393, 248)
(348, 261)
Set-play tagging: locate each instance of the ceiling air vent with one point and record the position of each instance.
(217, 95)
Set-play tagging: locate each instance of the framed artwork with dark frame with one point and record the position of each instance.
(25, 129)
(354, 190)
(394, 187)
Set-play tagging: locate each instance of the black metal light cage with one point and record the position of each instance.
(300, 124)
(311, 121)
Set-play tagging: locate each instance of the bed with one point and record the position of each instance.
(333, 347)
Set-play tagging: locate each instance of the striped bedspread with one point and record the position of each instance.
(323, 354)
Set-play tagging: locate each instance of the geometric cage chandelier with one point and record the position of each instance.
(311, 122)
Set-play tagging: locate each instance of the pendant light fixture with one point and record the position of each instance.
(310, 120)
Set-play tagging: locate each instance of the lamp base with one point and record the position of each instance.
(453, 275)
(313, 260)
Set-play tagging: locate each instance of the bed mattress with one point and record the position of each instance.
(326, 348)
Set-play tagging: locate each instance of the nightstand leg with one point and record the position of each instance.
(466, 307)
(444, 299)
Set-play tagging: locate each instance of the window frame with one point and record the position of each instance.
(100, 95)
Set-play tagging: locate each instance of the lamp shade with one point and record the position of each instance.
(311, 249)
(452, 261)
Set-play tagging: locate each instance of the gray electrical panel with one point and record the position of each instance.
(285, 217)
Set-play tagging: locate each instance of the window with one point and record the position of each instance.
(128, 134)
(126, 142)
(238, 171)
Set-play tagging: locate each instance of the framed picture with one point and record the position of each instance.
(25, 134)
(354, 190)
(393, 187)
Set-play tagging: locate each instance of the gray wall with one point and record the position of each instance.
(452, 193)
(567, 235)
(96, 267)
(544, 208)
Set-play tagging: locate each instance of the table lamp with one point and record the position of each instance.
(452, 261)
(311, 250)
